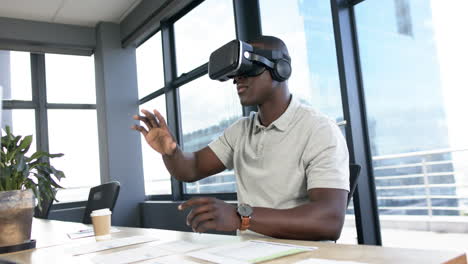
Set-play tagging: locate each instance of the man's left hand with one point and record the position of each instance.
(211, 214)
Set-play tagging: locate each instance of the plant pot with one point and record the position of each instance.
(16, 212)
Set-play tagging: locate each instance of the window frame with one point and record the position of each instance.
(40, 106)
(248, 26)
(172, 82)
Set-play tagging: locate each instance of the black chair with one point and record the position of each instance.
(100, 197)
(46, 204)
(354, 170)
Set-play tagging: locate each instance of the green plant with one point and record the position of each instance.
(20, 172)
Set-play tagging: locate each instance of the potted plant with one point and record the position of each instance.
(22, 179)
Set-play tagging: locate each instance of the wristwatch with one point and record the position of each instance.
(245, 212)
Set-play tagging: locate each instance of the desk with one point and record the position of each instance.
(52, 240)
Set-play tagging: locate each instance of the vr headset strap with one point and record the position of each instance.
(262, 60)
(271, 54)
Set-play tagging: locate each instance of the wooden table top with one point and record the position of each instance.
(52, 242)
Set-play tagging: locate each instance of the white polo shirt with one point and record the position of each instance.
(276, 165)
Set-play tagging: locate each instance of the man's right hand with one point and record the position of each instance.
(157, 133)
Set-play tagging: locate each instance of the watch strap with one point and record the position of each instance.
(245, 223)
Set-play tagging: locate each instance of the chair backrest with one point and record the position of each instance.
(46, 204)
(354, 170)
(101, 196)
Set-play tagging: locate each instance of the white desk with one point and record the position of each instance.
(52, 240)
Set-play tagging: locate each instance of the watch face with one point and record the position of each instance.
(244, 210)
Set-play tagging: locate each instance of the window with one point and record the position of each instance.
(157, 178)
(150, 73)
(21, 122)
(74, 133)
(70, 81)
(150, 70)
(201, 31)
(15, 79)
(413, 61)
(204, 120)
(71, 115)
(306, 27)
(16, 68)
(207, 106)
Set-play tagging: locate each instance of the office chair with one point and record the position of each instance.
(354, 170)
(101, 196)
(46, 204)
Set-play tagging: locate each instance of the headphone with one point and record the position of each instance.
(281, 70)
(278, 63)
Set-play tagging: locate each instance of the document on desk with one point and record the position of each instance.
(248, 252)
(87, 233)
(130, 255)
(174, 259)
(326, 261)
(180, 246)
(108, 244)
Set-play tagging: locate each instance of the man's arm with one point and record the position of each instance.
(187, 167)
(190, 167)
(320, 219)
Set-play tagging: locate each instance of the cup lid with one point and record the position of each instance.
(105, 211)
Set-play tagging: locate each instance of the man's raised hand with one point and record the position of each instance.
(156, 133)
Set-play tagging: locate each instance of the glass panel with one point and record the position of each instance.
(157, 178)
(22, 123)
(70, 79)
(307, 29)
(74, 133)
(207, 108)
(150, 66)
(413, 57)
(204, 29)
(15, 75)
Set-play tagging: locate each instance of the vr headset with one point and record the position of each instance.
(237, 58)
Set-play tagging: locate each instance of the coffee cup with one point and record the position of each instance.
(101, 220)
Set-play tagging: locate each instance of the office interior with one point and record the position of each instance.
(390, 72)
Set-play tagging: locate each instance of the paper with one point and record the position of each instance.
(252, 251)
(108, 244)
(180, 246)
(326, 261)
(87, 233)
(173, 260)
(130, 255)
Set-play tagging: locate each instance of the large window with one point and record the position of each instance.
(150, 66)
(21, 122)
(216, 106)
(306, 27)
(15, 81)
(201, 31)
(413, 58)
(207, 106)
(150, 79)
(69, 96)
(17, 78)
(157, 178)
(70, 81)
(68, 130)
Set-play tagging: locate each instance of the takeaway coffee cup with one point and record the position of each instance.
(101, 223)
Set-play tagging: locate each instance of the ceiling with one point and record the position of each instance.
(72, 12)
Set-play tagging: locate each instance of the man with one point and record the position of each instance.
(291, 162)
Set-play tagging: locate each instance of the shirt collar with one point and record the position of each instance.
(283, 121)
